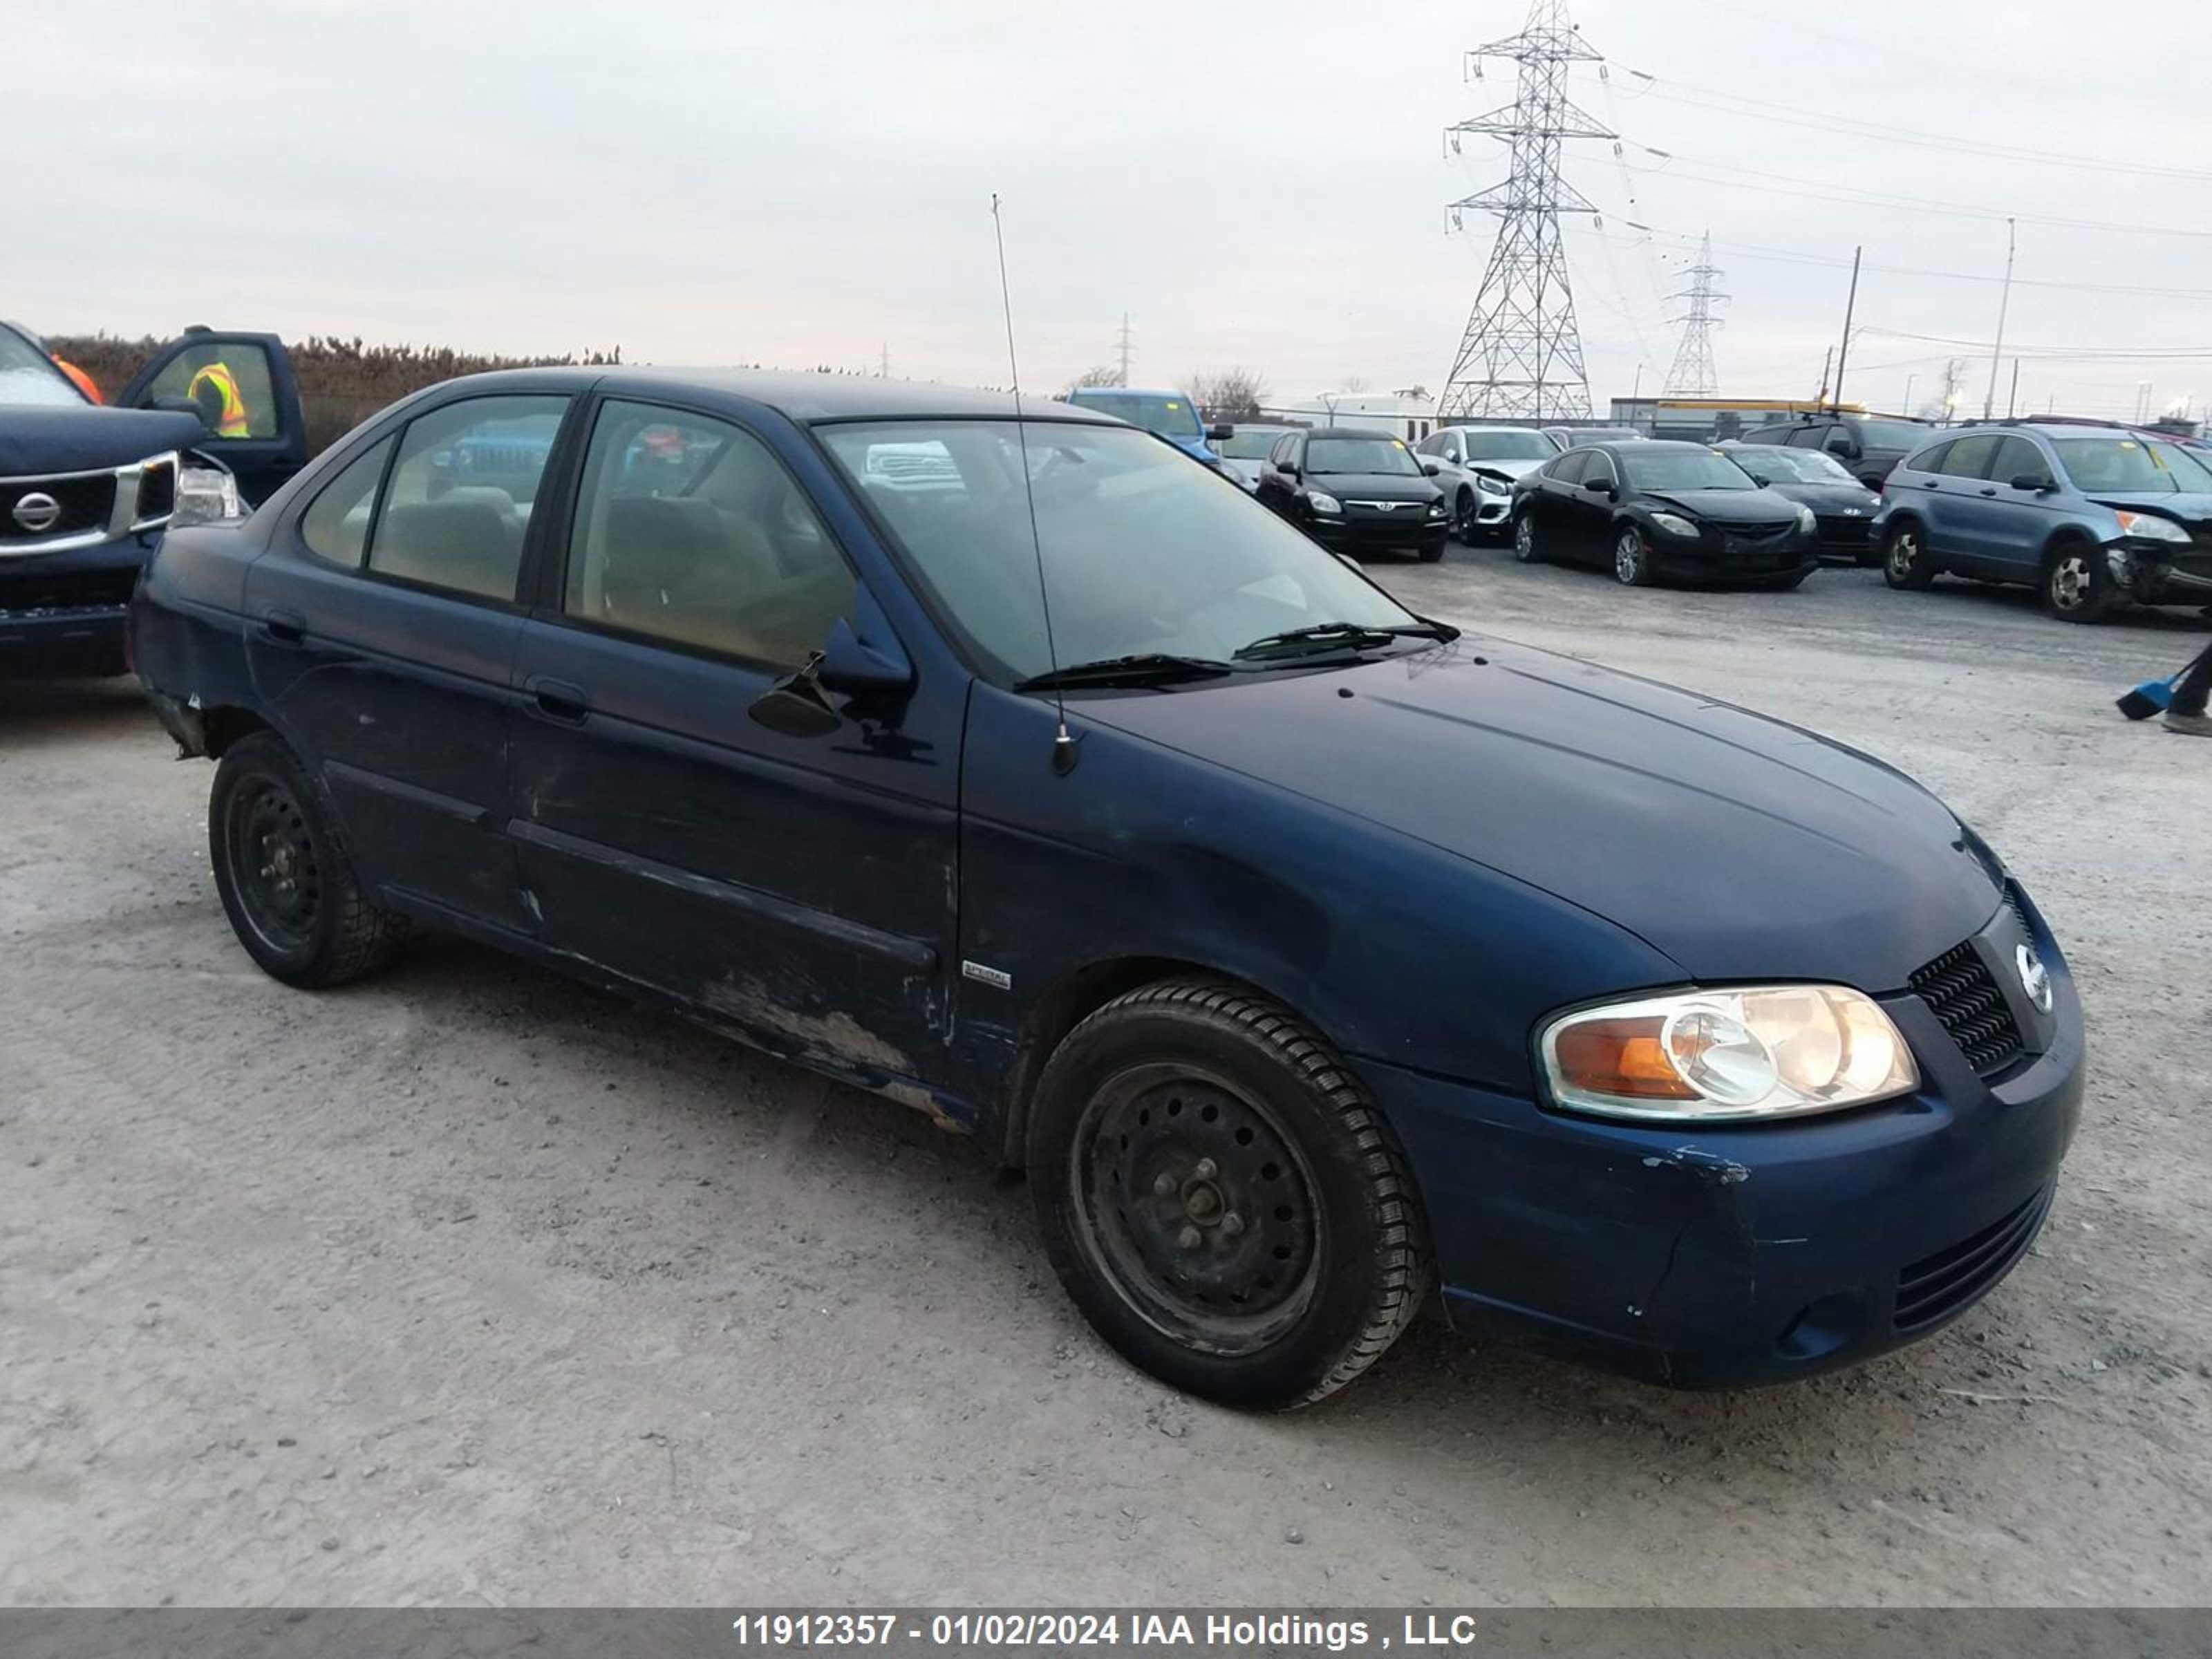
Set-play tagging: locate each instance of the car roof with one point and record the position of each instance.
(803, 397)
(1350, 432)
(1128, 391)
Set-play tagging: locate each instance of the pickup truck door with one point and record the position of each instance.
(798, 884)
(262, 437)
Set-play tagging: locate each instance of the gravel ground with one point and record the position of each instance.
(468, 1284)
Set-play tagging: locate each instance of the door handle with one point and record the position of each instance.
(1991, 490)
(557, 699)
(287, 626)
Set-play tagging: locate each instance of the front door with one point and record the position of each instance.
(802, 888)
(382, 627)
(242, 388)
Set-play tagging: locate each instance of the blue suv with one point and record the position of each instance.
(2092, 516)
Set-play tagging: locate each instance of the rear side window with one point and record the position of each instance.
(335, 527)
(1970, 457)
(690, 531)
(1929, 460)
(461, 495)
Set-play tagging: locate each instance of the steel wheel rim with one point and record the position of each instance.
(1197, 1207)
(1903, 551)
(1628, 557)
(274, 867)
(2070, 580)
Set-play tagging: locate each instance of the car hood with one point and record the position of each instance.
(1510, 468)
(1725, 505)
(2195, 510)
(61, 439)
(1376, 486)
(1741, 848)
(1829, 497)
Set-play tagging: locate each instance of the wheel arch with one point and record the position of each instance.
(2066, 536)
(225, 725)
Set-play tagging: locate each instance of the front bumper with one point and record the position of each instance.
(62, 614)
(1847, 540)
(1405, 531)
(2158, 572)
(1733, 1256)
(1717, 556)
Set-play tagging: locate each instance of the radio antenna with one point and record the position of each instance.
(1063, 746)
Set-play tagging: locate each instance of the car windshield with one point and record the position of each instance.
(1509, 447)
(1143, 550)
(28, 375)
(1577, 438)
(1653, 468)
(1891, 435)
(1156, 411)
(1249, 444)
(1794, 465)
(1327, 455)
(2132, 465)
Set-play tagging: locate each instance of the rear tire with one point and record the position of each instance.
(1220, 1198)
(1905, 562)
(2076, 587)
(281, 871)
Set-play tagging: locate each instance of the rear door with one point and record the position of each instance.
(382, 628)
(242, 388)
(802, 887)
(1957, 502)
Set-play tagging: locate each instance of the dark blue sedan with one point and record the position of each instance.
(1307, 952)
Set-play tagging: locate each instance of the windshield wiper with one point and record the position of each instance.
(1145, 668)
(1341, 636)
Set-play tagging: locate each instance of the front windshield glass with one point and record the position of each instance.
(1891, 435)
(1155, 411)
(1530, 445)
(1143, 550)
(28, 376)
(1249, 444)
(2132, 465)
(1654, 468)
(1794, 465)
(1341, 455)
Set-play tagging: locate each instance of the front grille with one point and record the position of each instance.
(157, 491)
(1959, 991)
(65, 590)
(1759, 532)
(85, 501)
(1939, 1285)
(1845, 532)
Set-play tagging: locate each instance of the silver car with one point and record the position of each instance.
(1475, 467)
(1245, 450)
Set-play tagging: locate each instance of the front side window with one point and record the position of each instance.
(1142, 552)
(2018, 459)
(2132, 465)
(228, 383)
(462, 491)
(335, 527)
(1683, 469)
(690, 531)
(1808, 437)
(1388, 456)
(1571, 466)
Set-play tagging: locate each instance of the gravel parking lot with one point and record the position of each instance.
(468, 1284)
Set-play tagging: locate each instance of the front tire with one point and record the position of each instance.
(282, 873)
(1220, 1198)
(1631, 559)
(1464, 527)
(2076, 587)
(1905, 562)
(1524, 538)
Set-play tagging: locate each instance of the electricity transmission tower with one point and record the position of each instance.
(1125, 342)
(1692, 375)
(1521, 355)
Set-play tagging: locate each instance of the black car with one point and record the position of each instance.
(1843, 508)
(1869, 445)
(1357, 491)
(1653, 509)
(86, 489)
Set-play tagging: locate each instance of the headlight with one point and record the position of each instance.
(1494, 484)
(205, 493)
(2151, 527)
(1721, 1057)
(1321, 501)
(1436, 509)
(1805, 520)
(1673, 524)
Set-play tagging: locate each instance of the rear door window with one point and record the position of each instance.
(462, 492)
(335, 527)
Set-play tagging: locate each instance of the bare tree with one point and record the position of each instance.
(1228, 394)
(1352, 383)
(1096, 374)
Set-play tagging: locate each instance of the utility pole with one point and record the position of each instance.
(1827, 362)
(1520, 353)
(884, 364)
(2012, 398)
(1908, 390)
(1851, 305)
(1125, 342)
(2004, 304)
(1694, 374)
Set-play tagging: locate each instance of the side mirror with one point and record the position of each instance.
(1760, 479)
(1288, 469)
(1603, 487)
(1215, 434)
(2034, 481)
(185, 406)
(863, 662)
(860, 670)
(796, 705)
(1430, 469)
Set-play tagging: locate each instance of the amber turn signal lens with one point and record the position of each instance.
(1624, 1057)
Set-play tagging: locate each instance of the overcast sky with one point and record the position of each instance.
(1260, 182)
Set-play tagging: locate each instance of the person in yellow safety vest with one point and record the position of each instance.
(215, 389)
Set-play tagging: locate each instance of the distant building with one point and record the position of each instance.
(1408, 415)
(1711, 420)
